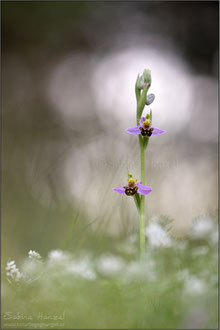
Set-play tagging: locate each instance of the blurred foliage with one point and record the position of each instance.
(111, 288)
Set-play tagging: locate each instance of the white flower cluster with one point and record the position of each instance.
(34, 255)
(62, 263)
(66, 264)
(110, 265)
(140, 271)
(157, 236)
(57, 256)
(202, 227)
(12, 272)
(82, 268)
(194, 286)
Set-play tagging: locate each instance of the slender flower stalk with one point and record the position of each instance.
(142, 201)
(143, 82)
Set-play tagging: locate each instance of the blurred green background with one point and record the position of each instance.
(68, 75)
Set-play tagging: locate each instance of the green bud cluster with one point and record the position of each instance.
(144, 80)
(142, 85)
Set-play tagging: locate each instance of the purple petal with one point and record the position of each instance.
(134, 130)
(157, 131)
(120, 190)
(143, 190)
(142, 120)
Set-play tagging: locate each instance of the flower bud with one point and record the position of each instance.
(147, 77)
(144, 79)
(150, 99)
(140, 82)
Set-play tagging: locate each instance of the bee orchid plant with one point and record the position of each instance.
(144, 130)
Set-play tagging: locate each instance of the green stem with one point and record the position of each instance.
(142, 151)
(142, 197)
(141, 102)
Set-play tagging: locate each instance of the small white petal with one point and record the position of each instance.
(157, 236)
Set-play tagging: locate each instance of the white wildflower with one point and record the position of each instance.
(57, 256)
(30, 267)
(140, 271)
(157, 236)
(34, 255)
(110, 265)
(12, 272)
(81, 268)
(202, 227)
(65, 264)
(194, 286)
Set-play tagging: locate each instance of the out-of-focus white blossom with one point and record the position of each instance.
(157, 236)
(81, 268)
(57, 256)
(34, 255)
(194, 286)
(202, 227)
(67, 264)
(140, 271)
(28, 266)
(12, 272)
(110, 265)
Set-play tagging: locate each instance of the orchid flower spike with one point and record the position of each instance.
(145, 128)
(132, 188)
